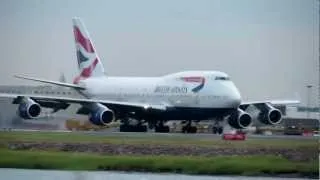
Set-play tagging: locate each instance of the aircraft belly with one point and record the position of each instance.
(189, 113)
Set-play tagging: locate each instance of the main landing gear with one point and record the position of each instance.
(217, 127)
(188, 128)
(133, 128)
(127, 127)
(161, 128)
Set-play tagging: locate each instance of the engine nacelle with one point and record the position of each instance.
(28, 109)
(270, 115)
(240, 119)
(101, 115)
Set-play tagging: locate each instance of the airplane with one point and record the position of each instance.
(188, 95)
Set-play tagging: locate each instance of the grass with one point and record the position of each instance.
(147, 139)
(226, 165)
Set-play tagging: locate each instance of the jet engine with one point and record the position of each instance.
(240, 119)
(269, 115)
(101, 115)
(28, 109)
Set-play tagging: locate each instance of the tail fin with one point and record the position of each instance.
(88, 60)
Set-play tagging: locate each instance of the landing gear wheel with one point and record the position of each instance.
(193, 129)
(214, 130)
(217, 130)
(151, 125)
(162, 129)
(133, 128)
(189, 129)
(184, 129)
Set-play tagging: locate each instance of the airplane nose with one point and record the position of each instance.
(234, 96)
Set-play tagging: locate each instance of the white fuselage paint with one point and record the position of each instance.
(167, 90)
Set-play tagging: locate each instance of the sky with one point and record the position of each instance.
(268, 47)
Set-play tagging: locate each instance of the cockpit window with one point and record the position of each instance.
(223, 78)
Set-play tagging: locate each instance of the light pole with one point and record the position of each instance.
(308, 100)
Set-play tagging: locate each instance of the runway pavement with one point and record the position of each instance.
(151, 134)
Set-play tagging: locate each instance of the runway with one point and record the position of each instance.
(205, 136)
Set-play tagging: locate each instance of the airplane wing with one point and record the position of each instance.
(274, 102)
(51, 82)
(244, 105)
(58, 103)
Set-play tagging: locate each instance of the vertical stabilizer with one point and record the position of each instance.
(88, 60)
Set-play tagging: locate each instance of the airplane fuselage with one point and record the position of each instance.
(190, 94)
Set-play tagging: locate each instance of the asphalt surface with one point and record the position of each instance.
(151, 134)
(32, 174)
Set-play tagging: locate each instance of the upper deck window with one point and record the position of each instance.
(222, 78)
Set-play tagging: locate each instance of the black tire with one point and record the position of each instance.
(214, 130)
(165, 129)
(162, 129)
(184, 129)
(193, 129)
(220, 130)
(189, 129)
(142, 128)
(151, 126)
(124, 128)
(130, 128)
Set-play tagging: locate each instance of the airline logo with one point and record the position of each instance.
(86, 72)
(86, 44)
(83, 41)
(195, 79)
(81, 58)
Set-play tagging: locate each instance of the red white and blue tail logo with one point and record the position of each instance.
(195, 79)
(87, 57)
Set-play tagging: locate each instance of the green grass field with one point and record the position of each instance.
(171, 140)
(230, 165)
(227, 165)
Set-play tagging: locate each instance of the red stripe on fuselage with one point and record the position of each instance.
(85, 43)
(193, 79)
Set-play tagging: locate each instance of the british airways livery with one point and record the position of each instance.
(189, 96)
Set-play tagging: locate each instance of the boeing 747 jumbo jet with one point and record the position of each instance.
(189, 96)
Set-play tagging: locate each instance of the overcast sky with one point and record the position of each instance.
(268, 47)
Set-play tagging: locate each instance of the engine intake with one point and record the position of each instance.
(240, 119)
(270, 115)
(28, 109)
(101, 115)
